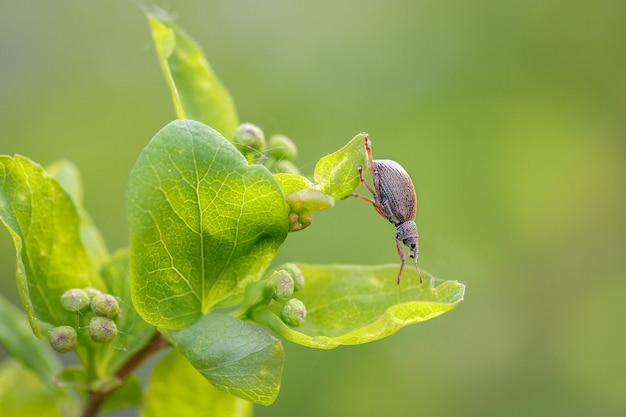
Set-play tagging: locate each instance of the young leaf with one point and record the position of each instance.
(45, 227)
(337, 174)
(238, 357)
(177, 389)
(196, 90)
(350, 304)
(17, 338)
(203, 223)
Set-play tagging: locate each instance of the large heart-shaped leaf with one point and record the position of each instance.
(353, 304)
(45, 226)
(203, 223)
(236, 356)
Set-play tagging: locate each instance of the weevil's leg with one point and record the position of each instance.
(370, 189)
(418, 270)
(401, 253)
(360, 197)
(368, 149)
(414, 253)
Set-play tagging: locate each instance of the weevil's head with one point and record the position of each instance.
(407, 233)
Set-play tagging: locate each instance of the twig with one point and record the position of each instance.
(96, 399)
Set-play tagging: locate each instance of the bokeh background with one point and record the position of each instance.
(510, 117)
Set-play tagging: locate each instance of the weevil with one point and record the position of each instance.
(393, 198)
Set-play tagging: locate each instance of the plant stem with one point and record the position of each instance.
(155, 344)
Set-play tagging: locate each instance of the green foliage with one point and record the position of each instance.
(17, 338)
(206, 220)
(23, 393)
(353, 304)
(239, 357)
(44, 224)
(196, 91)
(196, 397)
(203, 223)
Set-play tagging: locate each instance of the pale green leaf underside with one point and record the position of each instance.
(351, 304)
(203, 223)
(168, 395)
(45, 227)
(238, 357)
(197, 92)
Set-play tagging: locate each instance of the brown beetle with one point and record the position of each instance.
(395, 200)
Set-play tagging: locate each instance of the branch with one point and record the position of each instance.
(155, 344)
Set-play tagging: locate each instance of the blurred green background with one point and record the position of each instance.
(509, 116)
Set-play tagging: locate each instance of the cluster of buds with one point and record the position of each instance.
(100, 308)
(299, 216)
(277, 153)
(278, 291)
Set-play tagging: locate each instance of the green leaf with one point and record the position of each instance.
(293, 182)
(176, 388)
(351, 304)
(337, 174)
(68, 177)
(22, 393)
(17, 338)
(203, 223)
(197, 92)
(235, 356)
(45, 227)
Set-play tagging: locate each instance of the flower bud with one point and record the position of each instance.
(280, 147)
(92, 292)
(301, 221)
(250, 140)
(74, 300)
(63, 338)
(296, 275)
(282, 284)
(102, 329)
(105, 305)
(293, 312)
